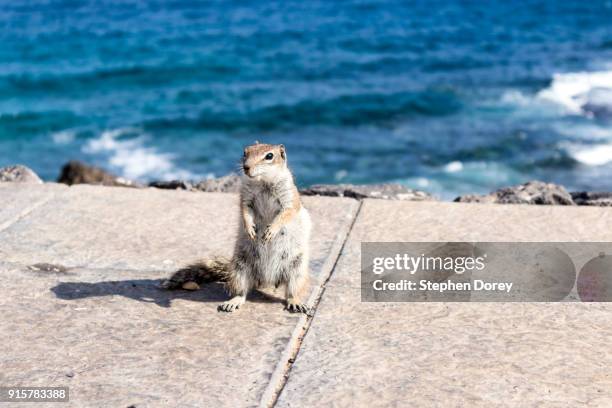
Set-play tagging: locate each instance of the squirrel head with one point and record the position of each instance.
(264, 162)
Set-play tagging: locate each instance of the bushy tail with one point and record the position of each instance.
(210, 270)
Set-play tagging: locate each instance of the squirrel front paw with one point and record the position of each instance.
(269, 233)
(250, 231)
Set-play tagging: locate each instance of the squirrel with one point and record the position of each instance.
(272, 248)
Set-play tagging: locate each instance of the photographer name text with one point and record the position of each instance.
(447, 286)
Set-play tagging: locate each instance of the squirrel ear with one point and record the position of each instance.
(282, 152)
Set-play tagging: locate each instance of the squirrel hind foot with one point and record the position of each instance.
(293, 307)
(232, 304)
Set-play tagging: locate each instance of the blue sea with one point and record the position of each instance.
(450, 97)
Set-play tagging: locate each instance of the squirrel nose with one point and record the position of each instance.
(246, 168)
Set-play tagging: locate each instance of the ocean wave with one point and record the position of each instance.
(453, 167)
(593, 155)
(526, 105)
(585, 131)
(344, 110)
(456, 178)
(581, 93)
(516, 98)
(35, 122)
(132, 75)
(125, 151)
(63, 137)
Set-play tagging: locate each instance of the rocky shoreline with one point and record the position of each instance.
(532, 192)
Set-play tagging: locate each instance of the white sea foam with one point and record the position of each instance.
(590, 143)
(515, 97)
(581, 93)
(595, 155)
(133, 158)
(453, 167)
(527, 105)
(480, 173)
(340, 175)
(422, 182)
(63, 137)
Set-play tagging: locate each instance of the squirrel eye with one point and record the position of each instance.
(269, 156)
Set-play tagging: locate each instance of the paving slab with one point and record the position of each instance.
(455, 354)
(15, 203)
(100, 325)
(124, 228)
(115, 339)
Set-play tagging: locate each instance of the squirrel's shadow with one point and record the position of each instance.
(149, 290)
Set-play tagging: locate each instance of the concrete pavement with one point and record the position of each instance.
(456, 354)
(95, 320)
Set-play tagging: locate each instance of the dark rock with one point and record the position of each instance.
(382, 191)
(18, 174)
(225, 184)
(172, 185)
(532, 192)
(599, 199)
(76, 172)
(474, 198)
